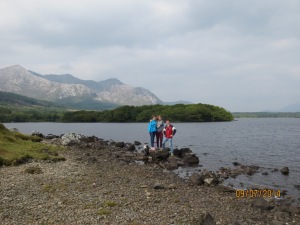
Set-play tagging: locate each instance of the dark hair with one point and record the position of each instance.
(167, 119)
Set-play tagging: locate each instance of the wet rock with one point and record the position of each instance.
(71, 139)
(37, 134)
(159, 155)
(191, 159)
(265, 173)
(196, 179)
(185, 151)
(285, 171)
(263, 205)
(236, 164)
(120, 144)
(137, 143)
(176, 152)
(297, 186)
(130, 147)
(204, 219)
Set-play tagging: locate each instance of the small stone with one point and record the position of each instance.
(265, 173)
(159, 186)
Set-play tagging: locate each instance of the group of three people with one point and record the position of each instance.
(157, 129)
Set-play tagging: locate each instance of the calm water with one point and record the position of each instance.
(268, 143)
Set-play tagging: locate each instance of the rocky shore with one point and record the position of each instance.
(106, 182)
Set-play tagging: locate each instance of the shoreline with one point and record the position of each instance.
(102, 184)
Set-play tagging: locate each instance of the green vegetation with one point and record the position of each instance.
(33, 170)
(266, 114)
(18, 108)
(179, 112)
(17, 148)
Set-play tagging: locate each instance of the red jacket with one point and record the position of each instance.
(169, 131)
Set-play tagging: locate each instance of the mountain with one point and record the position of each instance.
(291, 108)
(71, 91)
(110, 90)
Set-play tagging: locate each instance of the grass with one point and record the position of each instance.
(110, 204)
(17, 148)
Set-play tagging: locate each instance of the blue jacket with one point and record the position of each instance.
(152, 126)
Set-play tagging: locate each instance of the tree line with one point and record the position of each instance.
(178, 113)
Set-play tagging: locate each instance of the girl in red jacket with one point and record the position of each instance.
(169, 132)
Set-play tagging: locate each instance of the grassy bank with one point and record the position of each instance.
(17, 148)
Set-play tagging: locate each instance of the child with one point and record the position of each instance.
(152, 130)
(169, 132)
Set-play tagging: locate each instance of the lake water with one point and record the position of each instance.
(269, 143)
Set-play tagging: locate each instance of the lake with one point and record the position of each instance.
(266, 142)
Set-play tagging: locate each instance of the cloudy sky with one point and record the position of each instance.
(243, 55)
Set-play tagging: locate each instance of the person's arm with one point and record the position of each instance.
(173, 131)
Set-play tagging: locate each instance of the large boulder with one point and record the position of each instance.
(69, 139)
(159, 155)
(190, 159)
(185, 151)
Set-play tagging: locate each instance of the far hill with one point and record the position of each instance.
(15, 100)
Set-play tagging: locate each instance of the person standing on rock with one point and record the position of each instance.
(159, 131)
(152, 130)
(169, 132)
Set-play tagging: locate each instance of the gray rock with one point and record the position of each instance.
(210, 178)
(196, 179)
(204, 219)
(265, 173)
(71, 139)
(285, 171)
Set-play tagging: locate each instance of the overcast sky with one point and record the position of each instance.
(243, 55)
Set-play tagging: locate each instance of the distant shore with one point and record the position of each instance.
(100, 183)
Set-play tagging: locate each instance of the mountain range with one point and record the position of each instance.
(71, 91)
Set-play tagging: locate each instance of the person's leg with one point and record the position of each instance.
(171, 145)
(152, 139)
(161, 139)
(164, 143)
(157, 139)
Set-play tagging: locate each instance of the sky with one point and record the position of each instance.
(243, 55)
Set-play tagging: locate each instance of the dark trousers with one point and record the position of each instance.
(152, 135)
(159, 139)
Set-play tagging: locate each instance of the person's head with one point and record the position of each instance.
(159, 117)
(153, 117)
(167, 121)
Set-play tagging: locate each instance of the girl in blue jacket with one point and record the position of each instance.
(152, 130)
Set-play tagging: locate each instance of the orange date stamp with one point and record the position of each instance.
(258, 193)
